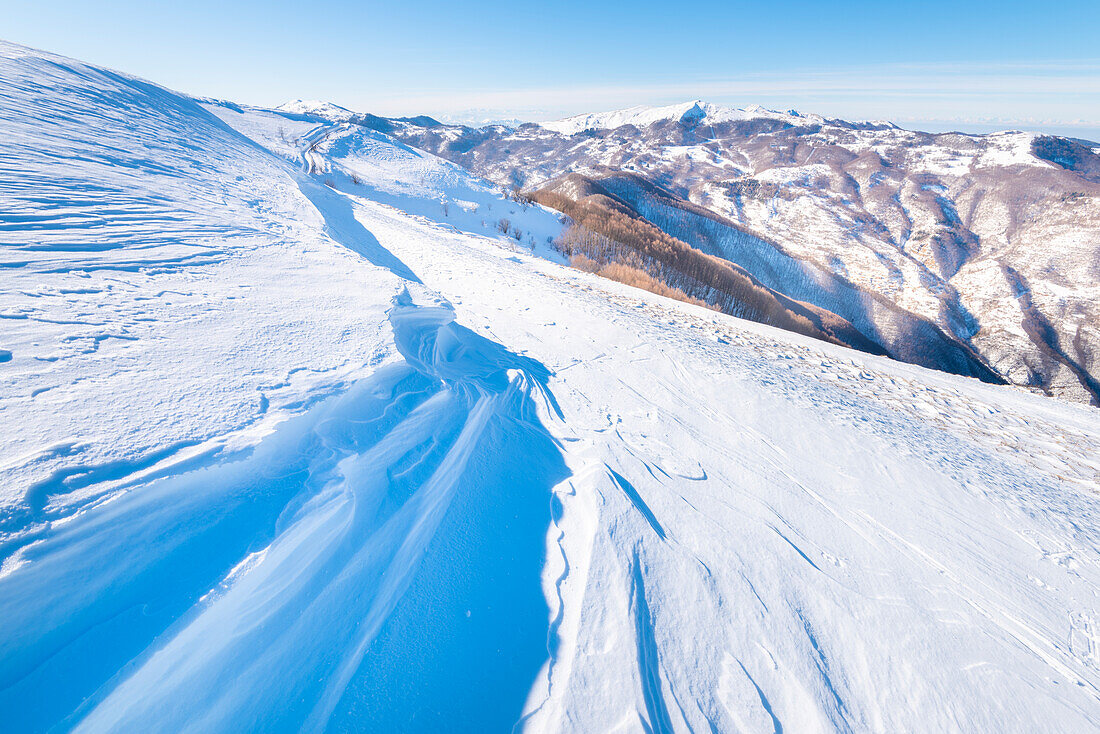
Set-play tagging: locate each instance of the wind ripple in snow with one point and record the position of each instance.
(319, 583)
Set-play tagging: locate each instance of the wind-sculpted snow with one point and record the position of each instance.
(78, 139)
(765, 532)
(294, 588)
(163, 282)
(372, 470)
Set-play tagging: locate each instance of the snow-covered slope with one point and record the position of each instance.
(475, 488)
(165, 281)
(360, 161)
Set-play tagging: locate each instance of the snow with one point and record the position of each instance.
(697, 153)
(163, 281)
(695, 110)
(319, 109)
(358, 160)
(339, 459)
(944, 162)
(1010, 149)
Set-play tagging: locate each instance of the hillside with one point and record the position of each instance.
(297, 439)
(991, 240)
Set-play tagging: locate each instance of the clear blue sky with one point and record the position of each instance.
(992, 64)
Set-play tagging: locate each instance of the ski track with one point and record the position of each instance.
(520, 497)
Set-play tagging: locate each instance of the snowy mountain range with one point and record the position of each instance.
(971, 253)
(308, 428)
(691, 114)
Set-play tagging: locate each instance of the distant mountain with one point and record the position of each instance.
(689, 113)
(327, 110)
(973, 253)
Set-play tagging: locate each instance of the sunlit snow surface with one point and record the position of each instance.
(280, 456)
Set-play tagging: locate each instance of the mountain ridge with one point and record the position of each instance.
(928, 221)
(693, 112)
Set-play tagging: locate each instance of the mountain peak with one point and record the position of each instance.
(317, 108)
(696, 112)
(693, 111)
